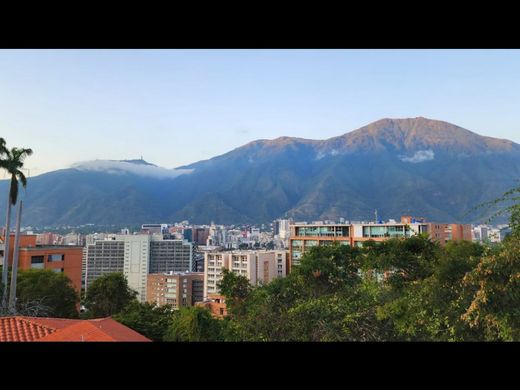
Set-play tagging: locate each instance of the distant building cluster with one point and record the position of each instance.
(490, 234)
(181, 264)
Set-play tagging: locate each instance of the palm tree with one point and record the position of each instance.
(13, 163)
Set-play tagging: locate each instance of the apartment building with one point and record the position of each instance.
(304, 236)
(170, 255)
(179, 289)
(136, 256)
(260, 267)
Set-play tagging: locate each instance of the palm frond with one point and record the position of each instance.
(20, 175)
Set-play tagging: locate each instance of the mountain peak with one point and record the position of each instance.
(138, 162)
(422, 133)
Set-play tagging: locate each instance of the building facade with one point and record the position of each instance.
(260, 267)
(304, 236)
(136, 256)
(179, 289)
(65, 259)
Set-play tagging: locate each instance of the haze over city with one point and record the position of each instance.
(176, 107)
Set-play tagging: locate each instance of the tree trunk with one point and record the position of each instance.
(14, 271)
(5, 265)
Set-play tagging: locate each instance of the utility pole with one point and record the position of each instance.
(376, 215)
(14, 271)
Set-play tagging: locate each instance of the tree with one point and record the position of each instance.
(323, 299)
(430, 308)
(494, 308)
(236, 288)
(108, 295)
(147, 319)
(328, 269)
(12, 163)
(46, 293)
(194, 324)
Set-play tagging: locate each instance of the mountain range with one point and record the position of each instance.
(414, 166)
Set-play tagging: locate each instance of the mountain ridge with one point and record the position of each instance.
(399, 166)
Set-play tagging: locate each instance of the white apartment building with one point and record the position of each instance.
(260, 267)
(136, 256)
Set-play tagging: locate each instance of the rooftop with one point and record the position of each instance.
(19, 328)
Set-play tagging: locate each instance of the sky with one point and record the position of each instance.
(176, 107)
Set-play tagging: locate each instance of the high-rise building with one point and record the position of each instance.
(188, 234)
(103, 257)
(170, 255)
(179, 289)
(200, 235)
(260, 267)
(136, 256)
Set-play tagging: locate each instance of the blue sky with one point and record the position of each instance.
(175, 107)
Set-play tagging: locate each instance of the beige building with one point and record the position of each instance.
(260, 267)
(179, 289)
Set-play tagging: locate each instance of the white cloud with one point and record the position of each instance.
(120, 167)
(419, 156)
(321, 154)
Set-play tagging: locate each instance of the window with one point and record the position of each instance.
(37, 259)
(37, 262)
(56, 257)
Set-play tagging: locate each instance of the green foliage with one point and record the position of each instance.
(495, 308)
(108, 295)
(236, 288)
(46, 293)
(147, 319)
(13, 164)
(194, 324)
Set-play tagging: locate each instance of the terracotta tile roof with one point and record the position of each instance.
(21, 329)
(55, 323)
(58, 329)
(117, 331)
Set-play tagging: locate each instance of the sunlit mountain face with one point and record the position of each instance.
(413, 166)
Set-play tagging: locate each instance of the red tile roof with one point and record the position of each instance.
(21, 329)
(57, 329)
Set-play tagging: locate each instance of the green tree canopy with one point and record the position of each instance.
(108, 295)
(147, 319)
(46, 293)
(194, 324)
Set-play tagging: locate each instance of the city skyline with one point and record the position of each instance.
(176, 107)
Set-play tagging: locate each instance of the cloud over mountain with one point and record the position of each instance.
(419, 156)
(121, 167)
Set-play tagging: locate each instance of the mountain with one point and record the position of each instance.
(413, 166)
